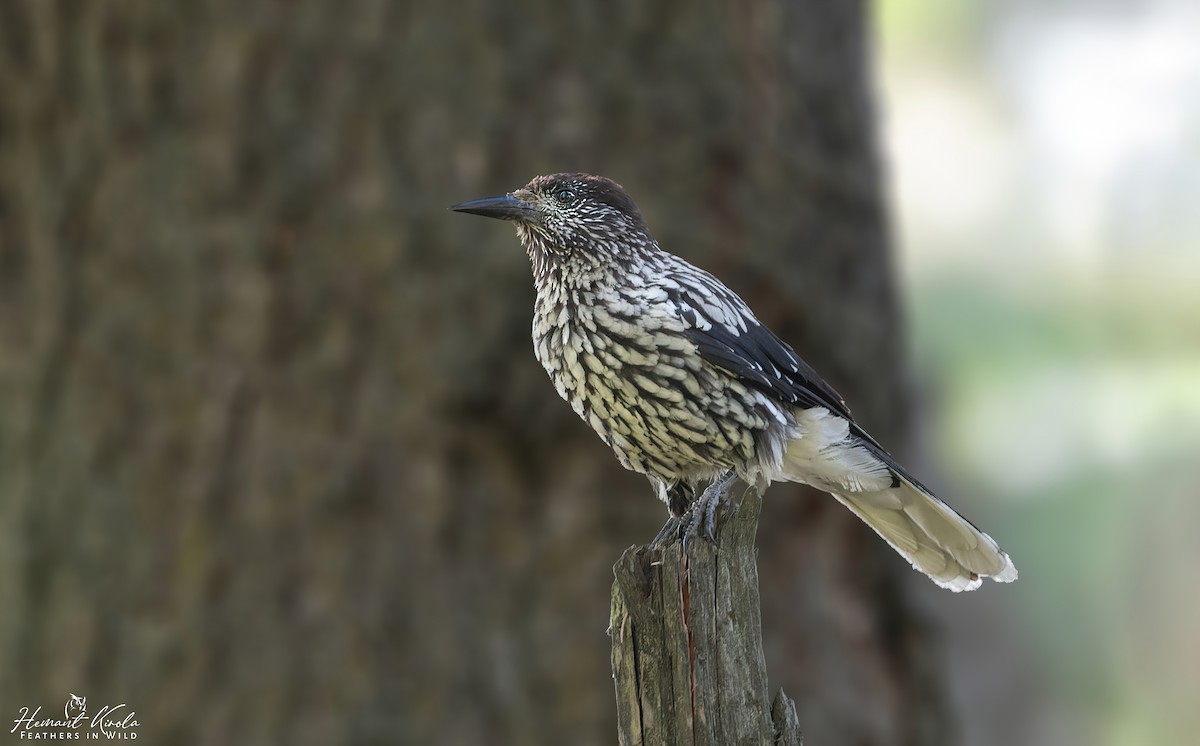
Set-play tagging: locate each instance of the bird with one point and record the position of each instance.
(679, 377)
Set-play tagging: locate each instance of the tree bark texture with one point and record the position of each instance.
(276, 461)
(687, 653)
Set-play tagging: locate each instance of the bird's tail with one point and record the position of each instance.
(931, 535)
(928, 533)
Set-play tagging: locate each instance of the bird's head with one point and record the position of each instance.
(570, 218)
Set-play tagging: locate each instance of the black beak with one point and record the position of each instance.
(506, 207)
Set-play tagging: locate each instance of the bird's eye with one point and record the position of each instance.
(565, 196)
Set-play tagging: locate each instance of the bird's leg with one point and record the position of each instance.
(702, 518)
(679, 499)
(670, 530)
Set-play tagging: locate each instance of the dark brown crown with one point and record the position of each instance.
(597, 188)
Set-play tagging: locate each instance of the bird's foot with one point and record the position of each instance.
(671, 530)
(701, 520)
(679, 499)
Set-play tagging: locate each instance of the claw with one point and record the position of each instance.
(701, 520)
(672, 529)
(710, 518)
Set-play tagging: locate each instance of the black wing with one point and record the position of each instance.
(727, 334)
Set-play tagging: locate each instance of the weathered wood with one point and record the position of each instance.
(687, 654)
(787, 725)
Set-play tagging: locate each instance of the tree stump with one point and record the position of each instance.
(686, 633)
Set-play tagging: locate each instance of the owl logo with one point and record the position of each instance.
(76, 707)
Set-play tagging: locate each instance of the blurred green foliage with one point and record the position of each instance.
(1055, 318)
(1105, 533)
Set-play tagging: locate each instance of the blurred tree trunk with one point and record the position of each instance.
(277, 463)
